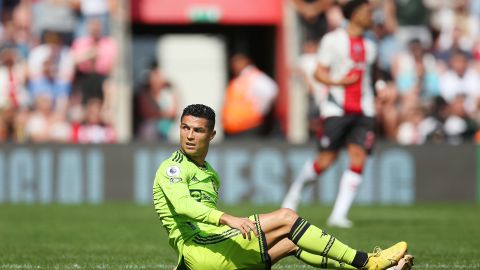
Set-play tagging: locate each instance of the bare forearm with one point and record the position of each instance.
(323, 76)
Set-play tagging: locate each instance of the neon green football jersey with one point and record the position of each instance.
(185, 197)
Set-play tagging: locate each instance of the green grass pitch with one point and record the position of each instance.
(128, 236)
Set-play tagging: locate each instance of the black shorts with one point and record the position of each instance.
(339, 131)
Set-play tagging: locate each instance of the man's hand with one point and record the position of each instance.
(245, 225)
(348, 80)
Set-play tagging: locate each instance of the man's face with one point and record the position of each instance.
(238, 63)
(195, 136)
(363, 16)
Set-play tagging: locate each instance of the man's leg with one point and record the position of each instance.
(348, 188)
(286, 248)
(309, 173)
(285, 223)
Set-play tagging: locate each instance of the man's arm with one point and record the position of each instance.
(245, 225)
(326, 57)
(173, 182)
(176, 190)
(322, 75)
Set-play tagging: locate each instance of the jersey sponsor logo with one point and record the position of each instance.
(200, 195)
(173, 171)
(174, 180)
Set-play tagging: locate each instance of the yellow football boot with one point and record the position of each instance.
(383, 259)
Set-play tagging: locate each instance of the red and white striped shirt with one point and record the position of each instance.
(345, 55)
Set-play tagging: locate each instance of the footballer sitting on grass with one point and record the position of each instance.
(185, 193)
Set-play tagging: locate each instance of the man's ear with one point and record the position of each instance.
(214, 132)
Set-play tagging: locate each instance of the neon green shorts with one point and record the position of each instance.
(225, 249)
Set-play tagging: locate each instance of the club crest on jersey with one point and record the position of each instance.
(173, 171)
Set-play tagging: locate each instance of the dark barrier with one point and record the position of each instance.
(250, 171)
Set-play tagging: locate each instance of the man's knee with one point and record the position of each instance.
(287, 216)
(326, 159)
(357, 155)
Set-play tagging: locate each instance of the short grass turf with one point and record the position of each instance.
(129, 236)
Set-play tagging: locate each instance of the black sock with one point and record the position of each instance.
(360, 260)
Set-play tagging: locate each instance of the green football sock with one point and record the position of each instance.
(313, 240)
(321, 262)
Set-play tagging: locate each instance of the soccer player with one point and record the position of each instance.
(185, 193)
(344, 61)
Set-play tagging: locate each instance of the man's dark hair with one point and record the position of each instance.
(349, 8)
(201, 111)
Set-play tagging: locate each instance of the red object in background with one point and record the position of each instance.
(226, 12)
(476, 52)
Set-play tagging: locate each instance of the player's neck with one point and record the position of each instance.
(354, 30)
(199, 161)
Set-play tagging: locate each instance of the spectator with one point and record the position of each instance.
(48, 84)
(95, 52)
(383, 35)
(14, 99)
(460, 80)
(312, 16)
(458, 126)
(94, 56)
(416, 127)
(94, 9)
(249, 99)
(388, 115)
(95, 129)
(386, 106)
(54, 49)
(457, 25)
(44, 125)
(156, 107)
(316, 91)
(416, 77)
(460, 88)
(12, 79)
(411, 20)
(61, 18)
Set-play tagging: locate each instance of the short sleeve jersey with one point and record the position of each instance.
(185, 197)
(345, 56)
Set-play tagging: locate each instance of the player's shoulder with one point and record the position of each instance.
(337, 33)
(211, 169)
(334, 37)
(177, 161)
(177, 157)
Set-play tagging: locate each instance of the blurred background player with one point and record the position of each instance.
(344, 61)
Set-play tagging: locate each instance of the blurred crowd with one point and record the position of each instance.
(427, 76)
(56, 57)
